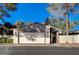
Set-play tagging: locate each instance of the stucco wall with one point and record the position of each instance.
(76, 39)
(69, 39)
(46, 40)
(15, 39)
(24, 40)
(65, 39)
(31, 38)
(39, 38)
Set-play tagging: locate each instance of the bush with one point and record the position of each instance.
(6, 40)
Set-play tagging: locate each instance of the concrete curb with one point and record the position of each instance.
(42, 45)
(26, 45)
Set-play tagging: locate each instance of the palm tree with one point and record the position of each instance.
(61, 10)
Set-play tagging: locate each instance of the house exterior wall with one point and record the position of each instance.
(71, 39)
(15, 39)
(76, 38)
(25, 40)
(65, 39)
(31, 38)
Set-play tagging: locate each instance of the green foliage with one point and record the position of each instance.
(6, 40)
(58, 23)
(4, 7)
(11, 6)
(59, 10)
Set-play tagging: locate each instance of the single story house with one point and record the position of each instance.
(40, 34)
(36, 34)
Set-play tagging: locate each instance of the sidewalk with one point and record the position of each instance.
(68, 45)
(44, 45)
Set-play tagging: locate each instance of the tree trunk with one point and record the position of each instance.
(67, 24)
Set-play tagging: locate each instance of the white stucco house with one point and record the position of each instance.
(42, 35)
(32, 37)
(36, 37)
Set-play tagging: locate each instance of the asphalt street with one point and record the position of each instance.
(38, 50)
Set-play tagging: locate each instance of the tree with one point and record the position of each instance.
(57, 23)
(62, 11)
(76, 23)
(3, 11)
(4, 7)
(8, 28)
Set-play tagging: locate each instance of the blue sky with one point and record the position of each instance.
(33, 12)
(29, 12)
